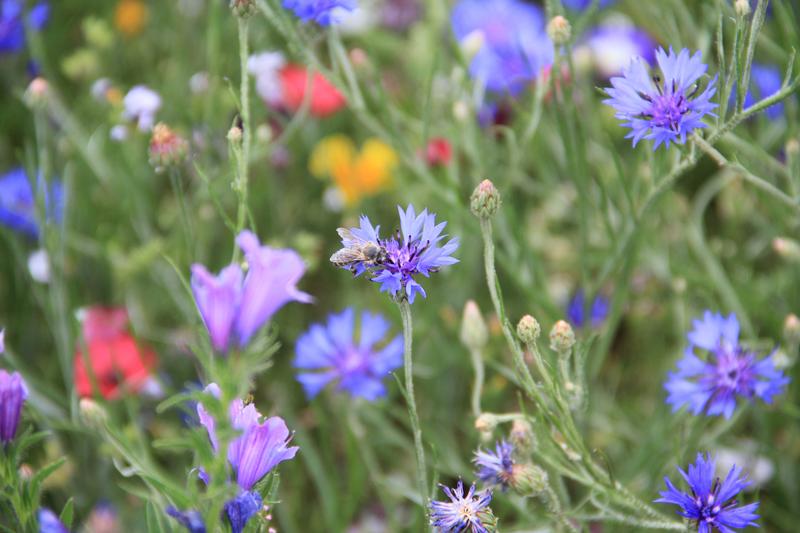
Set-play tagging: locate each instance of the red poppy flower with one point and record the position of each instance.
(438, 152)
(325, 98)
(117, 361)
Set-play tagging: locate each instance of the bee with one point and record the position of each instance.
(367, 253)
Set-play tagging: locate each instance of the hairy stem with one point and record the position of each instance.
(408, 334)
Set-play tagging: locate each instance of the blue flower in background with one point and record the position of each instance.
(765, 80)
(18, 202)
(578, 5)
(323, 12)
(729, 372)
(515, 45)
(576, 310)
(710, 502)
(49, 522)
(496, 468)
(662, 108)
(192, 520)
(468, 512)
(12, 24)
(333, 353)
(611, 47)
(413, 250)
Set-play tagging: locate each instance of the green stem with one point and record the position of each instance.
(408, 334)
(477, 386)
(244, 154)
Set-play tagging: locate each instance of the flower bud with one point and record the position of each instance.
(485, 200)
(13, 392)
(235, 135)
(791, 328)
(559, 30)
(167, 148)
(562, 338)
(474, 333)
(792, 148)
(528, 479)
(487, 519)
(36, 93)
(243, 8)
(471, 44)
(742, 8)
(528, 329)
(92, 413)
(786, 248)
(485, 424)
(522, 436)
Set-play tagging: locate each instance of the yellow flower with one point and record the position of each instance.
(356, 174)
(130, 17)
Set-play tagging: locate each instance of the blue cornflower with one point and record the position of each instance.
(463, 513)
(323, 12)
(515, 46)
(729, 372)
(576, 310)
(496, 468)
(12, 25)
(332, 351)
(578, 5)
(711, 504)
(662, 108)
(49, 522)
(18, 202)
(415, 249)
(192, 520)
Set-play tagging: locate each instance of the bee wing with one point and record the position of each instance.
(346, 255)
(346, 234)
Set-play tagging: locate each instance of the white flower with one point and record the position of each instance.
(266, 67)
(141, 104)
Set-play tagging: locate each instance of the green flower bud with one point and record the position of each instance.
(522, 436)
(527, 479)
(92, 414)
(742, 8)
(528, 329)
(474, 333)
(243, 8)
(559, 30)
(791, 328)
(562, 338)
(485, 200)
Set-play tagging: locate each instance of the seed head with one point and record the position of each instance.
(92, 413)
(235, 135)
(485, 200)
(167, 148)
(36, 93)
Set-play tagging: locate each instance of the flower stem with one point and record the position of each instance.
(244, 154)
(477, 385)
(408, 333)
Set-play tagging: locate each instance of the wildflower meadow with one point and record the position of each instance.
(371, 266)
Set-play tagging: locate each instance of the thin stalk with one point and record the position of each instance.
(408, 363)
(477, 385)
(244, 154)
